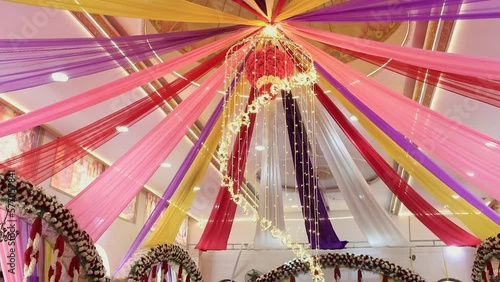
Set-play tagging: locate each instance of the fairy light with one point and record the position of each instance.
(236, 115)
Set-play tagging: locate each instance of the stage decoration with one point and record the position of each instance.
(112, 89)
(240, 116)
(158, 256)
(49, 221)
(486, 251)
(431, 131)
(78, 57)
(468, 203)
(386, 10)
(170, 10)
(441, 226)
(371, 218)
(44, 161)
(344, 260)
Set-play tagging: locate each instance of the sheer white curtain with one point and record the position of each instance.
(270, 189)
(371, 218)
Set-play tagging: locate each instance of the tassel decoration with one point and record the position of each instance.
(336, 274)
(360, 275)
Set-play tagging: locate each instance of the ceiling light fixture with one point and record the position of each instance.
(455, 197)
(196, 188)
(294, 206)
(470, 174)
(490, 144)
(166, 165)
(59, 76)
(259, 148)
(121, 128)
(353, 118)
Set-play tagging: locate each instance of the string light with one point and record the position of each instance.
(237, 115)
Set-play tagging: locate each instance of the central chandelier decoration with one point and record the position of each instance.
(273, 68)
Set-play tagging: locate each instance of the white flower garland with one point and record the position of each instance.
(343, 260)
(163, 253)
(31, 202)
(34, 244)
(487, 250)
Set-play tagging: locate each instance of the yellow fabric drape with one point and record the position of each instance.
(47, 254)
(167, 10)
(171, 221)
(477, 222)
(296, 7)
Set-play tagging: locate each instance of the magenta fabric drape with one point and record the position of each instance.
(112, 89)
(42, 162)
(218, 228)
(114, 189)
(473, 66)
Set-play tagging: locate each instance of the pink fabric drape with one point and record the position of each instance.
(114, 189)
(112, 89)
(12, 263)
(469, 153)
(473, 66)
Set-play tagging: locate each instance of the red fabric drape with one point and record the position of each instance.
(360, 275)
(277, 10)
(44, 161)
(292, 278)
(179, 274)
(441, 226)
(252, 10)
(216, 233)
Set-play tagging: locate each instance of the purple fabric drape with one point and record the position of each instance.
(411, 149)
(402, 10)
(29, 63)
(313, 206)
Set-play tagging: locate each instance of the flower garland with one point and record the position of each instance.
(486, 251)
(345, 260)
(161, 254)
(31, 203)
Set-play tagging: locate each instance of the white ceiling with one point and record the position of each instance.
(27, 22)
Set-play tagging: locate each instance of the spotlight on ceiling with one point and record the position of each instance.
(59, 76)
(455, 197)
(353, 118)
(166, 165)
(121, 128)
(196, 188)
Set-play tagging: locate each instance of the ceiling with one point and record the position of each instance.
(65, 24)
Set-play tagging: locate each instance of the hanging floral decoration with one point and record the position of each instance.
(269, 69)
(159, 255)
(486, 251)
(343, 260)
(79, 257)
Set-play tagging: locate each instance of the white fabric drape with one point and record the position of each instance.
(371, 218)
(270, 189)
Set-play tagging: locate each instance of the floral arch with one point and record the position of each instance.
(343, 260)
(79, 260)
(482, 271)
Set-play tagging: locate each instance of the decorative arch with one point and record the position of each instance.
(158, 256)
(343, 260)
(486, 251)
(74, 250)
